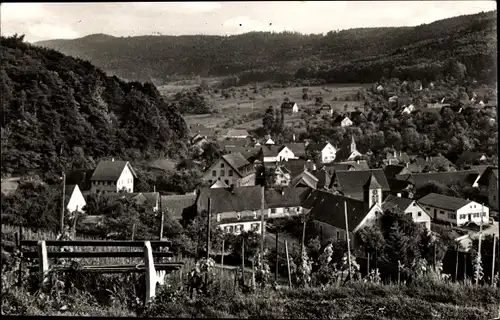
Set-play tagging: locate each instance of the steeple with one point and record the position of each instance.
(353, 144)
(372, 191)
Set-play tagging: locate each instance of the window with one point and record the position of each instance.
(232, 185)
(222, 173)
(231, 229)
(218, 217)
(441, 211)
(255, 226)
(230, 173)
(210, 181)
(484, 214)
(419, 213)
(273, 210)
(255, 214)
(453, 216)
(214, 173)
(414, 204)
(239, 216)
(222, 165)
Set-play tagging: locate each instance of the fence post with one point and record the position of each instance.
(288, 265)
(150, 271)
(43, 262)
(20, 273)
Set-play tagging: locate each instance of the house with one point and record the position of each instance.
(285, 201)
(346, 166)
(326, 151)
(233, 169)
(234, 134)
(343, 121)
(357, 116)
(236, 209)
(393, 99)
(409, 207)
(227, 144)
(396, 157)
(304, 179)
(348, 152)
(296, 166)
(150, 200)
(489, 182)
(328, 212)
(113, 176)
(407, 109)
(282, 174)
(471, 158)
(74, 199)
(201, 130)
(179, 205)
(290, 107)
(351, 183)
(269, 141)
(273, 153)
(298, 149)
(326, 110)
(454, 210)
(324, 179)
(380, 88)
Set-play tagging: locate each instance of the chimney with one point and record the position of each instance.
(154, 188)
(399, 194)
(357, 161)
(293, 137)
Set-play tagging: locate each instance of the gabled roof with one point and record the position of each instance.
(286, 197)
(398, 202)
(398, 185)
(110, 170)
(288, 105)
(81, 177)
(443, 202)
(237, 161)
(485, 176)
(271, 150)
(469, 157)
(317, 146)
(419, 179)
(230, 200)
(392, 170)
(305, 178)
(329, 208)
(354, 181)
(295, 166)
(324, 178)
(419, 163)
(298, 149)
(228, 143)
(176, 204)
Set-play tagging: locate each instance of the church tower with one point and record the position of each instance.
(372, 191)
(353, 145)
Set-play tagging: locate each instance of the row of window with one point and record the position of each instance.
(239, 228)
(222, 173)
(475, 215)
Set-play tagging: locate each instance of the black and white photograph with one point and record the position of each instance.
(258, 159)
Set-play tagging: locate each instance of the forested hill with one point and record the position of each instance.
(356, 55)
(61, 112)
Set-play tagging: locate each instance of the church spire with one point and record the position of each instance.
(353, 144)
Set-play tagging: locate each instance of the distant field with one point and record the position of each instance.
(245, 101)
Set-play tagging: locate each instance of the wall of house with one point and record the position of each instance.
(327, 232)
(246, 181)
(282, 179)
(237, 228)
(419, 215)
(76, 201)
(103, 187)
(126, 181)
(493, 193)
(222, 171)
(284, 212)
(473, 212)
(285, 154)
(328, 154)
(270, 159)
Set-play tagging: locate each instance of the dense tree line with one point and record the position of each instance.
(355, 55)
(60, 112)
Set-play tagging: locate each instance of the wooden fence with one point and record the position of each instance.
(155, 272)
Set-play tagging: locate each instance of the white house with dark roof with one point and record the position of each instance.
(454, 210)
(327, 152)
(236, 134)
(409, 207)
(285, 201)
(113, 176)
(282, 176)
(305, 179)
(274, 153)
(233, 169)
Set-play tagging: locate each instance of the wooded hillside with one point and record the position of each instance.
(355, 55)
(61, 112)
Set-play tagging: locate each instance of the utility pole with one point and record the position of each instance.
(262, 229)
(347, 236)
(63, 202)
(208, 229)
(478, 258)
(493, 263)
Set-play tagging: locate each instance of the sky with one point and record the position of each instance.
(44, 21)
